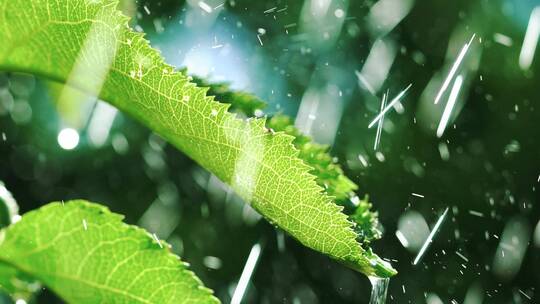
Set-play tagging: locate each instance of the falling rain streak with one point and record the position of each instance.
(454, 69)
(389, 106)
(245, 277)
(531, 40)
(381, 122)
(430, 237)
(449, 106)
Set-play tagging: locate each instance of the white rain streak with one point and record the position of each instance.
(270, 10)
(378, 64)
(428, 114)
(476, 213)
(85, 225)
(512, 247)
(205, 7)
(92, 64)
(503, 39)
(100, 123)
(381, 122)
(429, 240)
(450, 105)
(389, 106)
(531, 40)
(146, 10)
(462, 256)
(537, 235)
(524, 294)
(443, 151)
(417, 195)
(380, 157)
(363, 82)
(363, 160)
(245, 277)
(155, 237)
(412, 230)
(402, 239)
(386, 14)
(454, 69)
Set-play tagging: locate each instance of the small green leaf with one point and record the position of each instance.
(88, 45)
(86, 254)
(367, 221)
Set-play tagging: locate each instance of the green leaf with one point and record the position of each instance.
(326, 169)
(368, 223)
(86, 254)
(88, 45)
(328, 172)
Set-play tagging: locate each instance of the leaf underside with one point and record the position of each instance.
(86, 254)
(88, 45)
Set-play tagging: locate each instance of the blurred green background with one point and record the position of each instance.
(327, 62)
